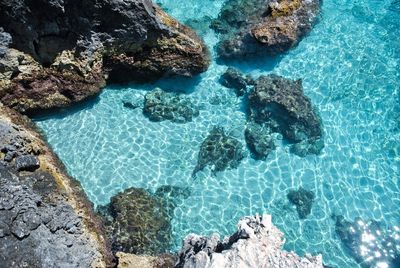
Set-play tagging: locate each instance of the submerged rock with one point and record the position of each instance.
(62, 52)
(263, 27)
(259, 140)
(219, 151)
(160, 105)
(303, 199)
(281, 105)
(369, 243)
(232, 78)
(45, 218)
(257, 243)
(137, 222)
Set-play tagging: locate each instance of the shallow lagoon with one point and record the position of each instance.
(350, 66)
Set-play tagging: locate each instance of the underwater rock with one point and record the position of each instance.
(44, 214)
(144, 261)
(280, 104)
(256, 243)
(78, 44)
(232, 78)
(369, 243)
(170, 196)
(303, 199)
(263, 27)
(160, 105)
(137, 222)
(259, 140)
(219, 151)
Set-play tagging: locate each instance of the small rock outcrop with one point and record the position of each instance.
(55, 53)
(369, 242)
(137, 222)
(280, 104)
(219, 151)
(303, 200)
(45, 218)
(232, 78)
(257, 243)
(126, 260)
(263, 27)
(160, 105)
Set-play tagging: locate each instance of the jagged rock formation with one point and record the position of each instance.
(232, 78)
(369, 243)
(263, 27)
(280, 104)
(45, 218)
(257, 243)
(303, 199)
(60, 52)
(160, 105)
(220, 151)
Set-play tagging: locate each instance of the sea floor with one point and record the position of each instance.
(350, 66)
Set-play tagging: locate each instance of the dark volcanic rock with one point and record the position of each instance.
(219, 151)
(44, 220)
(303, 200)
(281, 105)
(137, 222)
(71, 47)
(232, 78)
(262, 27)
(27, 163)
(160, 105)
(370, 243)
(259, 140)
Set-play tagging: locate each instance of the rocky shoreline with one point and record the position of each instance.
(57, 53)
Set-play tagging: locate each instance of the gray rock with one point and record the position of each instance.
(303, 199)
(27, 163)
(259, 140)
(232, 78)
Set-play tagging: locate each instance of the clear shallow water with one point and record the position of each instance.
(350, 66)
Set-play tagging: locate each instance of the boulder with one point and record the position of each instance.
(160, 105)
(259, 140)
(281, 105)
(27, 163)
(256, 243)
(232, 78)
(303, 200)
(220, 151)
(252, 28)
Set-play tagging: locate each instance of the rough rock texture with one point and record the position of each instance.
(44, 215)
(219, 151)
(303, 199)
(232, 78)
(259, 140)
(280, 104)
(257, 243)
(145, 261)
(62, 51)
(263, 27)
(160, 105)
(369, 243)
(137, 222)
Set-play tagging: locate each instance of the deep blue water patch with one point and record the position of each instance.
(350, 66)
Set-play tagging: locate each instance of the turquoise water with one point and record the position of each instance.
(350, 66)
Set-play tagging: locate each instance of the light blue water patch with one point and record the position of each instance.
(351, 71)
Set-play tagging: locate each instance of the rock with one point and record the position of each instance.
(130, 105)
(27, 163)
(281, 105)
(219, 151)
(44, 214)
(251, 28)
(232, 78)
(138, 261)
(369, 243)
(259, 140)
(303, 200)
(71, 47)
(160, 105)
(138, 223)
(257, 243)
(170, 196)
